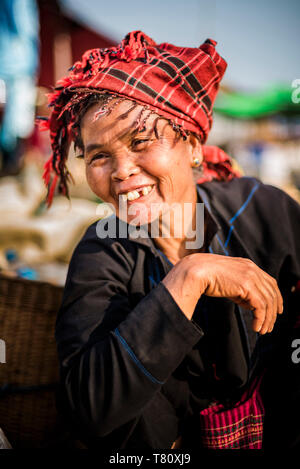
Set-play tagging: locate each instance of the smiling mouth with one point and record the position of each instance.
(136, 194)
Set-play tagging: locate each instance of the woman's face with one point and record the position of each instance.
(137, 171)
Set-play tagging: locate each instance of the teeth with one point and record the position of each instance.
(146, 190)
(133, 195)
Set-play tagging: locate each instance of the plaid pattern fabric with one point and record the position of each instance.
(178, 83)
(216, 165)
(240, 427)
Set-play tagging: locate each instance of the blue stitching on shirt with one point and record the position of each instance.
(165, 257)
(237, 214)
(229, 235)
(153, 282)
(135, 359)
(221, 244)
(151, 277)
(240, 210)
(155, 279)
(157, 272)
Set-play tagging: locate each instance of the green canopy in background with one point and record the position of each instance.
(254, 105)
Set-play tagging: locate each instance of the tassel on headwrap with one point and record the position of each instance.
(177, 83)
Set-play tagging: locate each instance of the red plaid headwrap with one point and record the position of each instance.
(178, 83)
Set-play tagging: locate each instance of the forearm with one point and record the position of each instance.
(111, 382)
(185, 285)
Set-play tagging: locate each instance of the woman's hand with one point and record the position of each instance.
(235, 278)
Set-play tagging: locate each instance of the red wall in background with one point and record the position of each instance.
(52, 23)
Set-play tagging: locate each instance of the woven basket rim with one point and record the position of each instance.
(25, 281)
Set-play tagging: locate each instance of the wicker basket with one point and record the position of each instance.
(29, 377)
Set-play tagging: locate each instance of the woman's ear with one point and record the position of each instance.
(195, 150)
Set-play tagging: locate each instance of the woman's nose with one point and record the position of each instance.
(123, 168)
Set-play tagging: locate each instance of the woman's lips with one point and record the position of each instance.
(143, 210)
(141, 198)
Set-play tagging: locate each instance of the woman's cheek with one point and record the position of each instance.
(157, 162)
(95, 181)
(89, 177)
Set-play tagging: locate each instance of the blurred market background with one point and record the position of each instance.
(257, 113)
(256, 120)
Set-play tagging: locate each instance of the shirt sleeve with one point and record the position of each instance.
(114, 357)
(291, 232)
(281, 386)
(281, 233)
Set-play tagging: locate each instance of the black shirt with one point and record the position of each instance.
(135, 372)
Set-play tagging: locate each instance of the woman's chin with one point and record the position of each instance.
(139, 215)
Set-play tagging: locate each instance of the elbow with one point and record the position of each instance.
(85, 407)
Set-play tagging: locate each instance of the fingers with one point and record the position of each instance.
(271, 312)
(261, 315)
(267, 303)
(241, 280)
(263, 296)
(274, 303)
(267, 312)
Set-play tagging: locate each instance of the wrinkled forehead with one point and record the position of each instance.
(118, 119)
(103, 116)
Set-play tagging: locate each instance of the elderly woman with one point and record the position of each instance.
(166, 341)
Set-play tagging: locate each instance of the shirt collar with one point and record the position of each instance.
(210, 220)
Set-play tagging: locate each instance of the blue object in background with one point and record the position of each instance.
(21, 270)
(19, 40)
(11, 255)
(27, 272)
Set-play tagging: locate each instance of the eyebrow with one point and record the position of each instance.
(94, 146)
(98, 146)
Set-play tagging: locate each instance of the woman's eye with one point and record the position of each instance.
(139, 144)
(98, 156)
